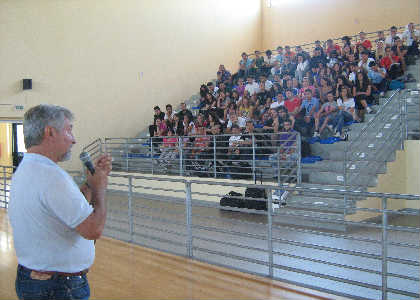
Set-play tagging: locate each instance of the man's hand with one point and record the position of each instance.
(103, 167)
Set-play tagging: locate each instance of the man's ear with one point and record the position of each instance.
(49, 132)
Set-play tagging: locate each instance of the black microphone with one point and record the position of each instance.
(85, 158)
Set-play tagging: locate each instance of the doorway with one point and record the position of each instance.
(12, 146)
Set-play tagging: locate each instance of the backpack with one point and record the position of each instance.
(396, 84)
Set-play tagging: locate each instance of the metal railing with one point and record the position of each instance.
(274, 156)
(369, 151)
(410, 103)
(374, 258)
(6, 173)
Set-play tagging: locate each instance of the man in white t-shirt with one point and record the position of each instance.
(53, 224)
(365, 61)
(390, 40)
(252, 87)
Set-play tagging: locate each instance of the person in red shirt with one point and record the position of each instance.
(289, 53)
(364, 42)
(292, 103)
(331, 46)
(392, 63)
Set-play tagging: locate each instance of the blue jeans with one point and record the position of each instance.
(57, 287)
(341, 118)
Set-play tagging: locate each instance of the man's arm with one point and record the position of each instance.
(91, 228)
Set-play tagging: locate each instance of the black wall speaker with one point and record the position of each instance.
(27, 84)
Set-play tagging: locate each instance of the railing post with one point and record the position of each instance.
(126, 154)
(269, 231)
(130, 207)
(406, 117)
(188, 213)
(214, 156)
(402, 112)
(278, 167)
(151, 154)
(299, 159)
(345, 178)
(253, 157)
(181, 167)
(384, 244)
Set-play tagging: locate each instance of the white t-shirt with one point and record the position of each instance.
(268, 85)
(252, 88)
(348, 104)
(45, 207)
(276, 104)
(365, 65)
(271, 60)
(172, 115)
(407, 36)
(241, 123)
(234, 138)
(390, 41)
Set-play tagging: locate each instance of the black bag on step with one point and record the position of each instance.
(233, 199)
(253, 192)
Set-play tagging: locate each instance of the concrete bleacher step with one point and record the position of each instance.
(327, 178)
(352, 167)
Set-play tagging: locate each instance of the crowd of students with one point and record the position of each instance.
(313, 94)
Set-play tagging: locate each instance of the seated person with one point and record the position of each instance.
(235, 120)
(168, 150)
(279, 101)
(200, 149)
(362, 91)
(292, 103)
(392, 63)
(411, 37)
(223, 73)
(365, 42)
(157, 115)
(305, 120)
(326, 114)
(184, 111)
(169, 115)
(377, 76)
(365, 61)
(390, 40)
(251, 87)
(346, 113)
(331, 46)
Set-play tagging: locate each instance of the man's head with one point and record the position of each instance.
(287, 49)
(244, 56)
(215, 130)
(287, 125)
(222, 68)
(249, 126)
(365, 55)
(329, 43)
(236, 129)
(250, 79)
(362, 35)
(49, 126)
(169, 109)
(156, 109)
(289, 94)
(393, 31)
(257, 53)
(268, 53)
(210, 86)
(279, 50)
(308, 94)
(183, 106)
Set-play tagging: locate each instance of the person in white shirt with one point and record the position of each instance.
(279, 101)
(411, 37)
(169, 115)
(365, 61)
(252, 87)
(347, 104)
(390, 40)
(234, 119)
(53, 224)
(267, 83)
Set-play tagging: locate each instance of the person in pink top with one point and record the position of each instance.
(306, 85)
(169, 150)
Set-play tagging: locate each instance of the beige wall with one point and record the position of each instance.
(402, 177)
(111, 61)
(296, 22)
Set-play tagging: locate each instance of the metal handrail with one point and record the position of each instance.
(192, 232)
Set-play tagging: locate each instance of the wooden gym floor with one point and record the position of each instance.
(126, 271)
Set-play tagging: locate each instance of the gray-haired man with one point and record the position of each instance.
(53, 224)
